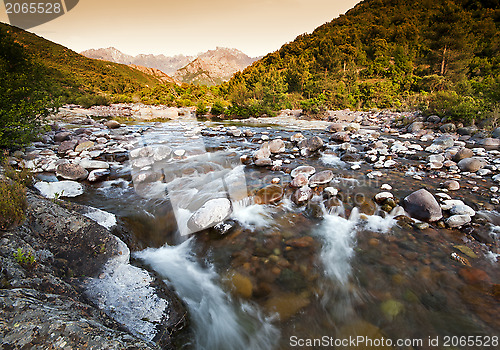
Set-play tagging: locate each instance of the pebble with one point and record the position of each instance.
(386, 187)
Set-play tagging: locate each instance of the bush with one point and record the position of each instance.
(201, 108)
(12, 203)
(87, 101)
(460, 108)
(217, 108)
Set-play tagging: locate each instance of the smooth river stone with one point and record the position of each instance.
(422, 205)
(306, 170)
(210, 214)
(71, 171)
(321, 178)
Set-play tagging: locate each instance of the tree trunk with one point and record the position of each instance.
(443, 61)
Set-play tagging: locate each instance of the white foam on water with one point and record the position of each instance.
(124, 293)
(332, 160)
(252, 216)
(492, 257)
(338, 235)
(218, 322)
(103, 218)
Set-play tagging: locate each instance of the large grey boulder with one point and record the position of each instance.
(70, 171)
(471, 164)
(277, 146)
(209, 214)
(462, 154)
(422, 205)
(415, 126)
(496, 133)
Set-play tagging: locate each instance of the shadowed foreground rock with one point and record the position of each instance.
(43, 302)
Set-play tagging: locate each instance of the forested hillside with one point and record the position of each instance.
(442, 55)
(73, 77)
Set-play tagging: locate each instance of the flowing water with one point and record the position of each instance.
(281, 272)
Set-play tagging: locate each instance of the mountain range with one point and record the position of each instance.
(207, 68)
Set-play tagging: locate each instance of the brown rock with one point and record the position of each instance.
(269, 195)
(71, 172)
(299, 181)
(112, 124)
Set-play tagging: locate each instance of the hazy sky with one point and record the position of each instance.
(168, 27)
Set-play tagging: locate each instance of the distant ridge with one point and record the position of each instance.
(207, 68)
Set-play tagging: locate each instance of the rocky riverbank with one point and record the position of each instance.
(427, 176)
(47, 264)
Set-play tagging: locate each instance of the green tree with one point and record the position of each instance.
(24, 100)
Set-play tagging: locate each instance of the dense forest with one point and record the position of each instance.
(439, 55)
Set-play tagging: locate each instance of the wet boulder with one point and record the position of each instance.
(112, 124)
(422, 205)
(93, 164)
(263, 152)
(277, 146)
(448, 127)
(312, 144)
(458, 220)
(297, 137)
(98, 174)
(302, 195)
(299, 181)
(304, 169)
(62, 136)
(335, 127)
(70, 171)
(321, 178)
(415, 127)
(65, 147)
(263, 162)
(340, 137)
(471, 164)
(462, 154)
(209, 214)
(451, 185)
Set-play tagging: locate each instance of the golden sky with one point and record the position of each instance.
(168, 27)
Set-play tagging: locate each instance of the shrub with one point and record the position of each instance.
(12, 203)
(217, 108)
(201, 108)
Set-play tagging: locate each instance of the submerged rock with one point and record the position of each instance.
(210, 214)
(422, 205)
(269, 195)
